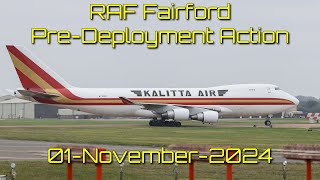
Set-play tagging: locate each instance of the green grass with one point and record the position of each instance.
(126, 132)
(45, 122)
(39, 170)
(48, 122)
(261, 121)
(122, 132)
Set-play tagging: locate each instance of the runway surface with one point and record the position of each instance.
(37, 150)
(18, 150)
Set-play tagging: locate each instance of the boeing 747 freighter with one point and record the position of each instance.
(164, 106)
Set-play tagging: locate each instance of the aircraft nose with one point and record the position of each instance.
(295, 100)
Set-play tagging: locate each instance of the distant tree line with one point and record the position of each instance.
(308, 104)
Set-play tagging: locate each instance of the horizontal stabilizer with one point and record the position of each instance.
(36, 94)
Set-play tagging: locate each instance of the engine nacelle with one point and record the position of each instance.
(206, 116)
(176, 114)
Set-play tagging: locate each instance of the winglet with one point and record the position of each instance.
(126, 101)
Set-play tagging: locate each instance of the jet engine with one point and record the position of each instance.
(206, 116)
(176, 114)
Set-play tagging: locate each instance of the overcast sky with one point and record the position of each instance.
(294, 67)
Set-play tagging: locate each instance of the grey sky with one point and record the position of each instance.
(294, 67)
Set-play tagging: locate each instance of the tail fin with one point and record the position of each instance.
(33, 74)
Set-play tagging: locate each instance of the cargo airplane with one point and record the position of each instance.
(164, 106)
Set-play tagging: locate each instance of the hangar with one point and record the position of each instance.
(73, 114)
(14, 108)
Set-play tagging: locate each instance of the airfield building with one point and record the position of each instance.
(73, 114)
(15, 108)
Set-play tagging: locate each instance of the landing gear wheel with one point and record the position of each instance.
(152, 123)
(170, 124)
(164, 123)
(267, 122)
(160, 123)
(177, 124)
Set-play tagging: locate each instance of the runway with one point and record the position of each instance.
(20, 150)
(37, 150)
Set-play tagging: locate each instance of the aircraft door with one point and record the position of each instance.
(268, 90)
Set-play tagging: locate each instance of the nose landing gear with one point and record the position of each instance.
(267, 122)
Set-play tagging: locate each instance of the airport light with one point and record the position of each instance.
(121, 171)
(13, 165)
(176, 171)
(284, 169)
(13, 171)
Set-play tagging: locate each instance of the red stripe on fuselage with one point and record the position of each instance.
(205, 98)
(207, 104)
(174, 101)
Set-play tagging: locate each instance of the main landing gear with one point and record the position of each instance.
(155, 122)
(267, 122)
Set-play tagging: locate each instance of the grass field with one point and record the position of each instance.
(39, 170)
(40, 122)
(235, 133)
(129, 132)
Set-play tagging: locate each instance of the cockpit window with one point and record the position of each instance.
(277, 88)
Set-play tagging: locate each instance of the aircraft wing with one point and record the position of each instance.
(36, 94)
(159, 108)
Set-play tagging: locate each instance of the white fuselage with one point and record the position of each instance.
(231, 100)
